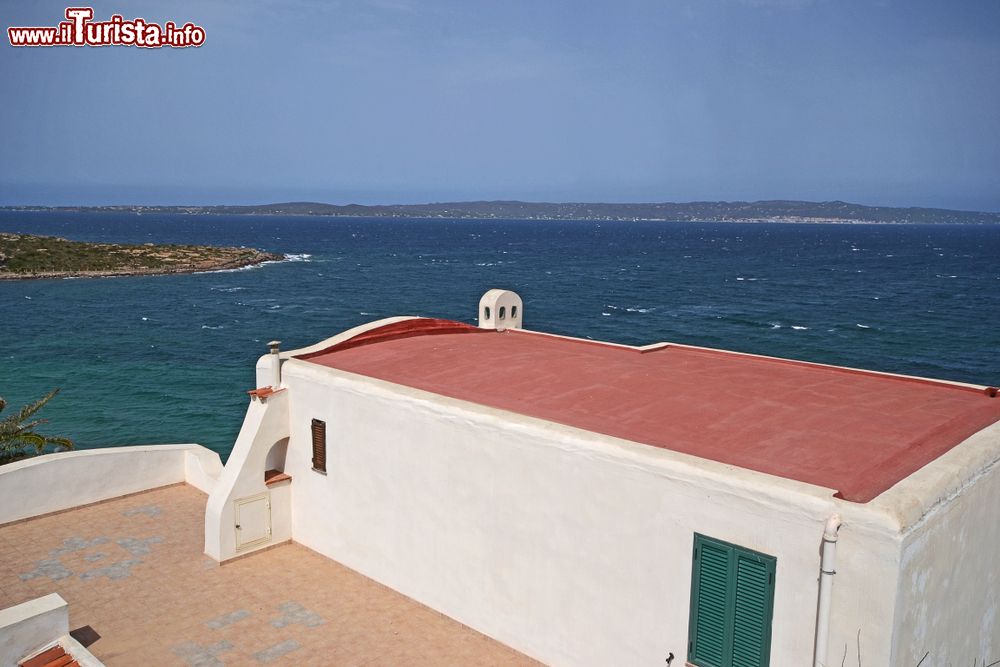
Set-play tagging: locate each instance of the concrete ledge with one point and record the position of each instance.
(55, 482)
(79, 652)
(30, 626)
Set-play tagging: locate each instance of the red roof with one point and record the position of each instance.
(854, 431)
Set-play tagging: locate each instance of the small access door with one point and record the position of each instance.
(253, 521)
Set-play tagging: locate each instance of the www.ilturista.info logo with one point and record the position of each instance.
(79, 30)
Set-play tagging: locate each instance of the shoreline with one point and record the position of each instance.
(264, 258)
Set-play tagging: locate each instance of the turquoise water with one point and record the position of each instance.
(169, 358)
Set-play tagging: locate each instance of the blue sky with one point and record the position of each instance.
(393, 101)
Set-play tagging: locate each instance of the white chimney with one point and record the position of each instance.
(500, 309)
(275, 364)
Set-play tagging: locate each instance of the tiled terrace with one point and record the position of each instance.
(132, 569)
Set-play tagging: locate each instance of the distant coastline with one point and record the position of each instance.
(30, 257)
(720, 211)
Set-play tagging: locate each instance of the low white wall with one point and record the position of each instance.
(571, 547)
(54, 482)
(30, 626)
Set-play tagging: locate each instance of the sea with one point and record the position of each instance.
(168, 359)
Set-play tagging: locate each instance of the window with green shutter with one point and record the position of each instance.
(732, 599)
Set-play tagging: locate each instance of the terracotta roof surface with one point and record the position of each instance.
(853, 431)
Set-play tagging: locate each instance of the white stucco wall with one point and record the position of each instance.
(30, 626)
(265, 426)
(571, 547)
(54, 482)
(949, 588)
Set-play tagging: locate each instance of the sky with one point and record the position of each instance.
(890, 102)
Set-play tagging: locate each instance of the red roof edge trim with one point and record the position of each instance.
(419, 326)
(851, 371)
(992, 392)
(863, 488)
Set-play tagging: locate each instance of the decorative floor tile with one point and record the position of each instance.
(227, 619)
(148, 510)
(116, 571)
(157, 600)
(202, 656)
(293, 612)
(138, 547)
(278, 650)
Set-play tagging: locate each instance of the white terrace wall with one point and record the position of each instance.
(34, 626)
(573, 548)
(54, 482)
(30, 626)
(949, 588)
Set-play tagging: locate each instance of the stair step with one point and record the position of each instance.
(63, 661)
(45, 657)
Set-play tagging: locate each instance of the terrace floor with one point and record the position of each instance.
(132, 569)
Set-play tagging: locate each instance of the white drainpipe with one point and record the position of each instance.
(827, 568)
(275, 364)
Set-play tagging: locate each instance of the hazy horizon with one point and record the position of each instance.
(477, 201)
(882, 103)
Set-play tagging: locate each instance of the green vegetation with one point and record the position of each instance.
(18, 437)
(27, 256)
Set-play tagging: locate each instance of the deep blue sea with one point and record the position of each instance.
(169, 358)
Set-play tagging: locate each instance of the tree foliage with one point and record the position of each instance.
(18, 434)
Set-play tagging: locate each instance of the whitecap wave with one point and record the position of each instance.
(251, 267)
(303, 257)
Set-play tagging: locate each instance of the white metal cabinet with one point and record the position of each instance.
(253, 521)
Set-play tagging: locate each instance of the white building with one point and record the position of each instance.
(589, 503)
(584, 503)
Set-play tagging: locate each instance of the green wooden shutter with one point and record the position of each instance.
(752, 609)
(709, 603)
(732, 597)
